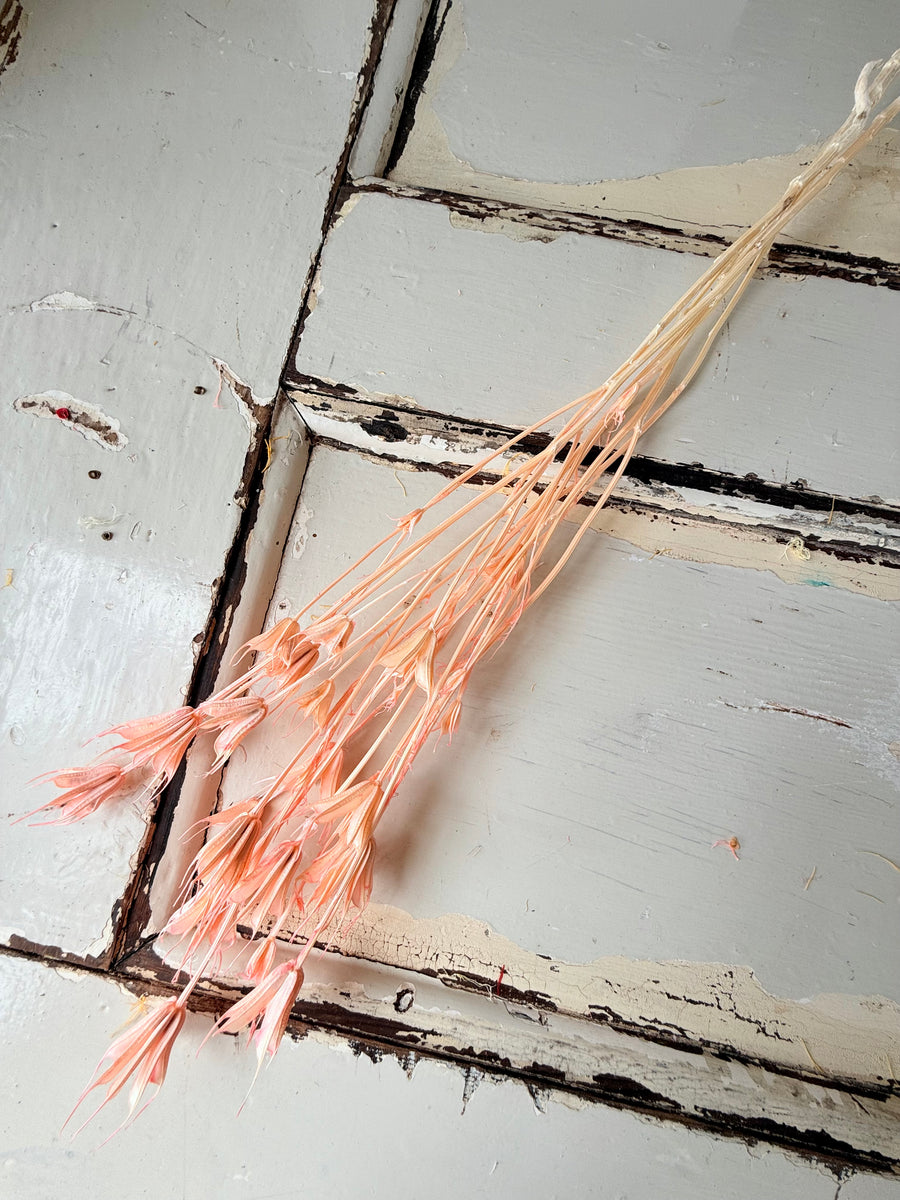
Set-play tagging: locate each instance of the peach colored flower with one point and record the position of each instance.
(234, 719)
(86, 788)
(260, 962)
(316, 702)
(267, 1009)
(338, 877)
(282, 644)
(141, 1055)
(234, 845)
(159, 741)
(271, 889)
(332, 632)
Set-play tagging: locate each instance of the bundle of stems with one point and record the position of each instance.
(386, 665)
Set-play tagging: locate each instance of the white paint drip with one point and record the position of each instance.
(101, 522)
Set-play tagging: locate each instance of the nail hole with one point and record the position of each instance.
(199, 390)
(93, 474)
(404, 999)
(107, 536)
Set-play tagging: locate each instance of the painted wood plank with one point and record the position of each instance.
(684, 114)
(373, 143)
(164, 181)
(651, 705)
(472, 1134)
(196, 197)
(484, 322)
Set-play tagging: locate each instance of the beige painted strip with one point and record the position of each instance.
(858, 215)
(715, 541)
(838, 1036)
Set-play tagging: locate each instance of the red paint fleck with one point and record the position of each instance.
(63, 414)
(500, 978)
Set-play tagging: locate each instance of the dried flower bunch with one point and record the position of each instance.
(385, 667)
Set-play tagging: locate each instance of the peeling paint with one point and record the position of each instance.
(742, 546)
(711, 1004)
(300, 531)
(84, 418)
(717, 199)
(698, 526)
(251, 407)
(859, 215)
(517, 231)
(71, 302)
(576, 1061)
(13, 21)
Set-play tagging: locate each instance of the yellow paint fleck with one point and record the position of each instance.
(796, 550)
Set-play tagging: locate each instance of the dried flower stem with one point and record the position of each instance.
(306, 842)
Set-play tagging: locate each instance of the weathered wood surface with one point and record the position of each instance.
(371, 1125)
(697, 675)
(654, 702)
(477, 323)
(164, 181)
(685, 115)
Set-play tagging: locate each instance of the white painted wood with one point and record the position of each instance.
(95, 631)
(420, 1015)
(287, 453)
(372, 144)
(664, 695)
(476, 322)
(369, 1128)
(178, 163)
(683, 114)
(164, 176)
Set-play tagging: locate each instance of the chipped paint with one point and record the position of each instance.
(13, 22)
(517, 231)
(71, 302)
(251, 407)
(744, 546)
(711, 1004)
(719, 199)
(859, 215)
(299, 530)
(698, 526)
(78, 415)
(573, 1059)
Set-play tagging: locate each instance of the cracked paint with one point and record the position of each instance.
(711, 1004)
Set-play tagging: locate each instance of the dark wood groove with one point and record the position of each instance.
(784, 258)
(395, 423)
(131, 912)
